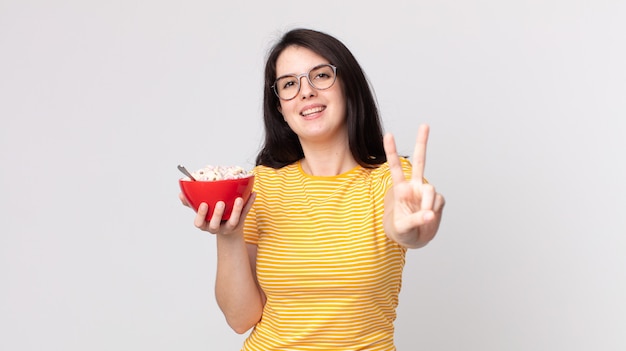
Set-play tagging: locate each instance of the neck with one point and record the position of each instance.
(328, 160)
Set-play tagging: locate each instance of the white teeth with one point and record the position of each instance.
(312, 110)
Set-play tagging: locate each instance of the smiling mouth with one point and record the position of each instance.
(312, 111)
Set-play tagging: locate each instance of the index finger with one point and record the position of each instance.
(419, 154)
(393, 160)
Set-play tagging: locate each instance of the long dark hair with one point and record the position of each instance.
(281, 146)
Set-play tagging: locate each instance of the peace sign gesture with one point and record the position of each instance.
(413, 208)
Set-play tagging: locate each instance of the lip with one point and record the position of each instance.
(311, 111)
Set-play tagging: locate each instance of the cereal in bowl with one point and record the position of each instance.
(209, 173)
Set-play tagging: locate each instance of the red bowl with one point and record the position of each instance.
(212, 191)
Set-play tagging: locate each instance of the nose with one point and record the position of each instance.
(306, 89)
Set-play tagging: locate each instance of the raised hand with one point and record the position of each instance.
(413, 208)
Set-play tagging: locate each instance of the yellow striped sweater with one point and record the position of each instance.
(330, 274)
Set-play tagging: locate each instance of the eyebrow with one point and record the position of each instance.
(307, 71)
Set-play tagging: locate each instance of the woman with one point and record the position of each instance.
(314, 259)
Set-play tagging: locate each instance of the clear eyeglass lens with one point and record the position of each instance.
(320, 77)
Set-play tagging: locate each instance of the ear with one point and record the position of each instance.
(280, 109)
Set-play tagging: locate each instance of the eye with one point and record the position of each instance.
(285, 83)
(322, 73)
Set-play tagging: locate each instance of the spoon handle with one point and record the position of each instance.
(186, 172)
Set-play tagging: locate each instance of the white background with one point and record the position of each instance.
(100, 100)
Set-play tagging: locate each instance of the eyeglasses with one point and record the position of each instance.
(320, 77)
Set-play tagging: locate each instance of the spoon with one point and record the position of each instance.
(186, 172)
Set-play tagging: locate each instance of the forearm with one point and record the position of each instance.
(236, 289)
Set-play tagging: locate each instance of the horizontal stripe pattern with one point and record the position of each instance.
(330, 274)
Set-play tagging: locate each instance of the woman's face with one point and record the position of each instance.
(314, 115)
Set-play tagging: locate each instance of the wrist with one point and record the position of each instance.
(231, 238)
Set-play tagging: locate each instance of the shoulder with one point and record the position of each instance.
(265, 171)
(383, 170)
(268, 177)
(262, 170)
